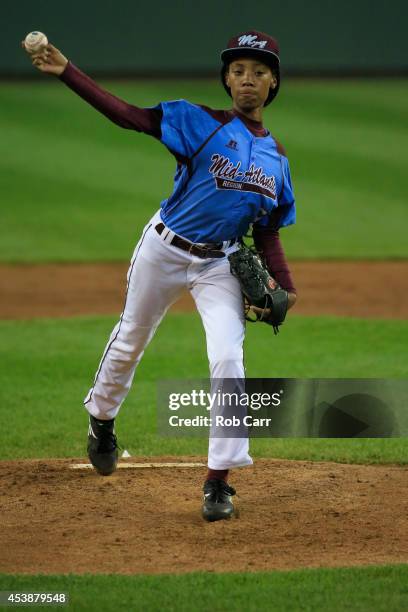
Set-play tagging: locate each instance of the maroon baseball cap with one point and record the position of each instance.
(257, 45)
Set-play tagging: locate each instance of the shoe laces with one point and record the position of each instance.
(107, 440)
(218, 489)
(107, 443)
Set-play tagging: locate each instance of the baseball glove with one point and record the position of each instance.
(259, 288)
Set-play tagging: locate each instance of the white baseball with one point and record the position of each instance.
(35, 41)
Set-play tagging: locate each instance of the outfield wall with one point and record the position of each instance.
(131, 37)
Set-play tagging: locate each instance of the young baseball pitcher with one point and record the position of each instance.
(231, 174)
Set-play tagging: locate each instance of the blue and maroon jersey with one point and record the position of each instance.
(227, 178)
(231, 172)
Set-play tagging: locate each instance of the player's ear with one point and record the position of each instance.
(226, 77)
(274, 81)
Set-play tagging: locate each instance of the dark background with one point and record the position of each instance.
(162, 37)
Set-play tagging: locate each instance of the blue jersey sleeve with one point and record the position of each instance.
(286, 196)
(286, 200)
(184, 127)
(285, 213)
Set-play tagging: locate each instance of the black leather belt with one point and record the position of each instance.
(203, 251)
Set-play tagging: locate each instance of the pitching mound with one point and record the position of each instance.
(292, 514)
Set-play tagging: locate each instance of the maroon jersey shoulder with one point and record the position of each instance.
(281, 149)
(223, 116)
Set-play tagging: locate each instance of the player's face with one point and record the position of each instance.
(249, 81)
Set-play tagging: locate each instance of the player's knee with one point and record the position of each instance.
(133, 335)
(229, 366)
(129, 344)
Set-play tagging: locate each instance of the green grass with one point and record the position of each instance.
(87, 187)
(383, 589)
(50, 364)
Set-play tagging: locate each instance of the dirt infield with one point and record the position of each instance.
(360, 289)
(293, 514)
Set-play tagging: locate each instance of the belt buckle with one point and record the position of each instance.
(204, 251)
(199, 249)
(213, 246)
(210, 248)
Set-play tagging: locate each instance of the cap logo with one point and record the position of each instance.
(249, 40)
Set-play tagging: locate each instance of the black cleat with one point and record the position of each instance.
(217, 500)
(102, 445)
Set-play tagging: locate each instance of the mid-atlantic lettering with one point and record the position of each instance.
(228, 175)
(224, 168)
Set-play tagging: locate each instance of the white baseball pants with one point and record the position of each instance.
(157, 276)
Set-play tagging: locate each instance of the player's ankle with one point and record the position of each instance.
(217, 475)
